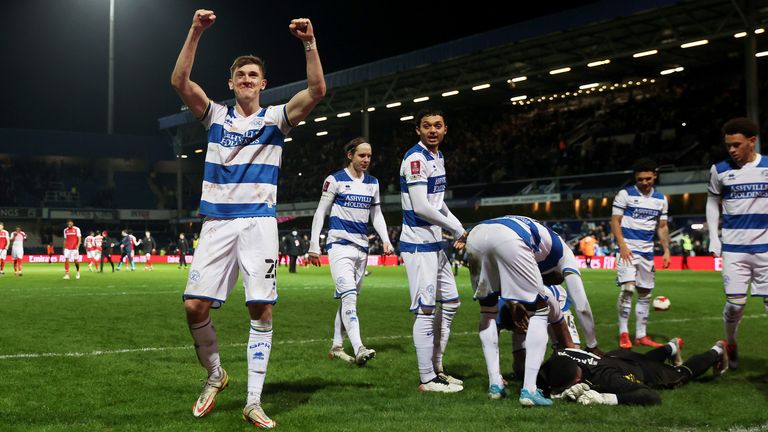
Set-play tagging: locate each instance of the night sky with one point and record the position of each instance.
(54, 53)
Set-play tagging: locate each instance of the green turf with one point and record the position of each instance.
(112, 352)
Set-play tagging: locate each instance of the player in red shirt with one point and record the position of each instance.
(72, 239)
(89, 248)
(17, 249)
(4, 245)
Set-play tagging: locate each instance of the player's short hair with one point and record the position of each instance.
(426, 112)
(558, 373)
(351, 146)
(741, 125)
(644, 165)
(246, 60)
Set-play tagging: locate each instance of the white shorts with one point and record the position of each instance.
(640, 271)
(71, 255)
(501, 262)
(430, 278)
(742, 269)
(17, 252)
(3, 253)
(89, 254)
(228, 247)
(348, 265)
(96, 255)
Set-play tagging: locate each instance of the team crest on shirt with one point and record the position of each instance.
(764, 173)
(194, 276)
(257, 123)
(415, 167)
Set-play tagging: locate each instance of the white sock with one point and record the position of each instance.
(641, 315)
(625, 308)
(349, 318)
(444, 317)
(206, 347)
(717, 349)
(338, 329)
(673, 347)
(535, 347)
(489, 339)
(422, 341)
(259, 348)
(732, 314)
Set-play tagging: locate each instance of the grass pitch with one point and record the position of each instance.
(112, 351)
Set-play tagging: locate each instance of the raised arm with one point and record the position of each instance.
(190, 93)
(302, 103)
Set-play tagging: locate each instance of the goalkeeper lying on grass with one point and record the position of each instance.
(625, 377)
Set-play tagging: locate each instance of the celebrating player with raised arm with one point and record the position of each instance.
(352, 198)
(434, 297)
(239, 199)
(740, 184)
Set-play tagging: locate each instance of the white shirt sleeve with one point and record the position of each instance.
(619, 203)
(323, 208)
(424, 210)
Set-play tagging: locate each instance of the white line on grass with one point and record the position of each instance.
(298, 342)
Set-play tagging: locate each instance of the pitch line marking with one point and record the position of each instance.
(97, 353)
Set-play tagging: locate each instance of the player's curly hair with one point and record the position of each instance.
(246, 60)
(644, 165)
(741, 125)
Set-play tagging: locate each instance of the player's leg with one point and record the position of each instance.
(482, 273)
(337, 346)
(646, 280)
(343, 259)
(421, 268)
(737, 275)
(257, 247)
(208, 286)
(489, 339)
(448, 304)
(626, 274)
(362, 354)
(66, 263)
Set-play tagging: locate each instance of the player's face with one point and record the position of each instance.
(432, 130)
(361, 159)
(740, 148)
(70, 224)
(247, 81)
(644, 180)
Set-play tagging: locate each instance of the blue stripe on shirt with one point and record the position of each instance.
(236, 210)
(246, 173)
(750, 248)
(745, 221)
(410, 219)
(420, 247)
(637, 234)
(348, 226)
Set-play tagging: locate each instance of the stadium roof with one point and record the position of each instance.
(606, 30)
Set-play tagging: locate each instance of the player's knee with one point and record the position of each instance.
(628, 289)
(197, 310)
(425, 310)
(452, 306)
(739, 300)
(643, 294)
